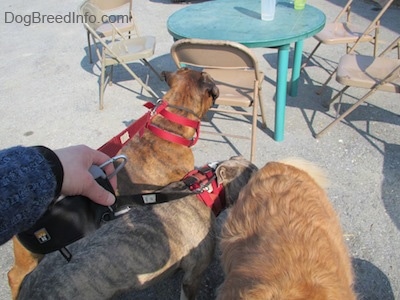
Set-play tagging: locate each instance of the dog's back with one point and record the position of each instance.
(282, 239)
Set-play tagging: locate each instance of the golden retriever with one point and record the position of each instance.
(283, 239)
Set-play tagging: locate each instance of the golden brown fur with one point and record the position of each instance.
(282, 239)
(152, 161)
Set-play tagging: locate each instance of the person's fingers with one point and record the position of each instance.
(109, 169)
(98, 194)
(98, 159)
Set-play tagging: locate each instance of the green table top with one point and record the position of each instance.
(240, 21)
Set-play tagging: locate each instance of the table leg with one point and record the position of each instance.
(281, 90)
(298, 53)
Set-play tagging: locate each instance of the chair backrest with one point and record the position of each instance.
(373, 25)
(346, 10)
(97, 12)
(111, 4)
(92, 15)
(213, 54)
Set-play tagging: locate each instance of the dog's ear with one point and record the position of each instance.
(234, 175)
(229, 169)
(220, 172)
(210, 85)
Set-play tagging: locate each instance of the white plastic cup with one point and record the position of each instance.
(268, 10)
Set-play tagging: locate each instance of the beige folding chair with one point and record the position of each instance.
(120, 50)
(234, 69)
(119, 13)
(339, 32)
(374, 73)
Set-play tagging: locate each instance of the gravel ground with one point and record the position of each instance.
(49, 95)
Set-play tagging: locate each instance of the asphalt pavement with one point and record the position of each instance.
(49, 96)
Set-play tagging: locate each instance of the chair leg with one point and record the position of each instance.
(376, 39)
(309, 57)
(346, 113)
(145, 86)
(262, 110)
(253, 134)
(111, 75)
(151, 68)
(320, 91)
(89, 47)
(102, 86)
(327, 104)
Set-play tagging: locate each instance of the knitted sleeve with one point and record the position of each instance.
(29, 180)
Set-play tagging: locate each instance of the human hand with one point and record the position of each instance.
(76, 161)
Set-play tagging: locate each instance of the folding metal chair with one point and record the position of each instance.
(119, 13)
(119, 50)
(234, 69)
(374, 73)
(339, 32)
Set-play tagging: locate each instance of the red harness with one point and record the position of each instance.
(203, 182)
(112, 147)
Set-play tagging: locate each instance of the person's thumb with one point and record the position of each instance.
(98, 194)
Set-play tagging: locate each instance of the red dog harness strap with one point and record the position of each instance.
(176, 119)
(203, 182)
(112, 147)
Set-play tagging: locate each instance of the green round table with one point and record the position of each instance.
(240, 21)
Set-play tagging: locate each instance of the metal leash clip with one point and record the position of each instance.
(103, 179)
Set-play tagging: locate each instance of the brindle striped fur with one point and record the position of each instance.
(140, 248)
(152, 162)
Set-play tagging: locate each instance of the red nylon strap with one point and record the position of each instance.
(166, 135)
(212, 195)
(112, 147)
(215, 199)
(179, 119)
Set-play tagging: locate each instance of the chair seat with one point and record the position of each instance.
(131, 49)
(365, 71)
(236, 88)
(341, 33)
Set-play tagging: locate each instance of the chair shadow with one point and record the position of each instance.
(390, 186)
(370, 282)
(369, 113)
(307, 100)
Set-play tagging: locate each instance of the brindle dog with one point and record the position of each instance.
(152, 162)
(140, 248)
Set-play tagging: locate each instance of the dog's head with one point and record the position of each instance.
(234, 175)
(191, 89)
